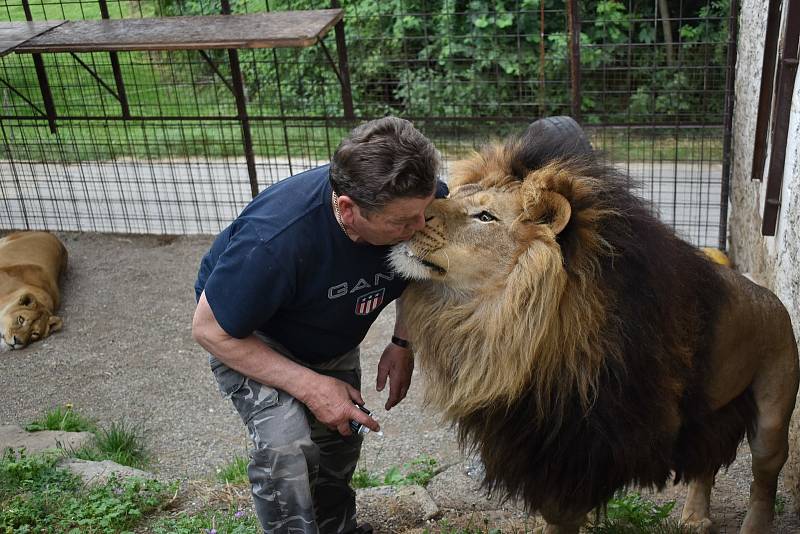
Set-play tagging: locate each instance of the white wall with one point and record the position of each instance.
(774, 260)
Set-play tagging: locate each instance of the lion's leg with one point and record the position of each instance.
(561, 528)
(697, 510)
(561, 522)
(774, 393)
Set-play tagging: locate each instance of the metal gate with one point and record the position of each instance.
(651, 82)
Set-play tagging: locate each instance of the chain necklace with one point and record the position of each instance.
(335, 200)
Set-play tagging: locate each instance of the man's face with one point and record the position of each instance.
(396, 222)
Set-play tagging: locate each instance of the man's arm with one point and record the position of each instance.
(397, 363)
(330, 400)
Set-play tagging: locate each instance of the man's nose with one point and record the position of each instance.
(419, 222)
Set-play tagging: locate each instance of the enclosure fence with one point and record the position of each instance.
(157, 141)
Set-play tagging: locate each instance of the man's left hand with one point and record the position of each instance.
(397, 364)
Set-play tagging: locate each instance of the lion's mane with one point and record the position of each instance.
(583, 371)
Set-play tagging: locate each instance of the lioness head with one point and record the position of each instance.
(24, 320)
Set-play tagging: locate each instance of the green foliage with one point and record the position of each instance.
(364, 479)
(230, 522)
(483, 57)
(235, 471)
(62, 418)
(37, 496)
(632, 514)
(419, 471)
(121, 442)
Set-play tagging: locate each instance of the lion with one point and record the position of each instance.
(30, 266)
(582, 347)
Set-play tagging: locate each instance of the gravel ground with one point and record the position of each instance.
(126, 353)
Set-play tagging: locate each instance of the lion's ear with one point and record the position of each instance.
(55, 323)
(548, 207)
(27, 300)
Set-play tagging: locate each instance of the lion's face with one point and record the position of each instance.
(468, 238)
(24, 321)
(474, 238)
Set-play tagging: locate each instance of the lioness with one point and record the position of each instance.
(30, 265)
(582, 347)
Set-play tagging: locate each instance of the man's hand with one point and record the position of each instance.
(397, 364)
(333, 402)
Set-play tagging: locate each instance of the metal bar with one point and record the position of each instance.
(213, 64)
(787, 70)
(330, 60)
(767, 89)
(41, 75)
(94, 75)
(15, 175)
(241, 108)
(727, 136)
(344, 69)
(23, 97)
(344, 121)
(574, 27)
(115, 67)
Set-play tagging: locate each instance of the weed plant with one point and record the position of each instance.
(419, 471)
(209, 522)
(235, 471)
(121, 442)
(62, 418)
(633, 514)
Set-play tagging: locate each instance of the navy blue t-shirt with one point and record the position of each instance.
(285, 268)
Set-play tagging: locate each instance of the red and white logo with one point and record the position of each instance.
(369, 302)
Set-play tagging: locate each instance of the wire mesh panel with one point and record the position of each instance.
(154, 141)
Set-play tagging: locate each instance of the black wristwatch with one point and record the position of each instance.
(400, 342)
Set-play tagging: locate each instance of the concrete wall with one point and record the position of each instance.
(774, 260)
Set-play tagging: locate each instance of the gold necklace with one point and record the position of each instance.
(335, 200)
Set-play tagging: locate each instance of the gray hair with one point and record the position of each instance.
(382, 160)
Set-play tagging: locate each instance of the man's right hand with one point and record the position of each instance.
(333, 403)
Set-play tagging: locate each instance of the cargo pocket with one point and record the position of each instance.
(248, 396)
(228, 380)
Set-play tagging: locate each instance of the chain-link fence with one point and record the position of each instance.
(153, 141)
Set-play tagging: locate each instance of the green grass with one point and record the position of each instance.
(235, 471)
(419, 471)
(62, 418)
(228, 522)
(121, 442)
(37, 496)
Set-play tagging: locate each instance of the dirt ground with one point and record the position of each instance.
(126, 353)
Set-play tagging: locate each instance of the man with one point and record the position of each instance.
(285, 296)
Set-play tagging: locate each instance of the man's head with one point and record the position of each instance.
(384, 173)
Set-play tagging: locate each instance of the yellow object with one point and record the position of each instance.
(717, 256)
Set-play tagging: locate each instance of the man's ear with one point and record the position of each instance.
(346, 209)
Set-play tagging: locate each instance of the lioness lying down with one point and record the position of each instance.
(581, 347)
(30, 265)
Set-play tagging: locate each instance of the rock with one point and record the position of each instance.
(16, 437)
(395, 508)
(100, 472)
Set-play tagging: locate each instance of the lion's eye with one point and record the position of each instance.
(20, 320)
(485, 216)
(35, 336)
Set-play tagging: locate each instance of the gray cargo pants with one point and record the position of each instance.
(299, 469)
